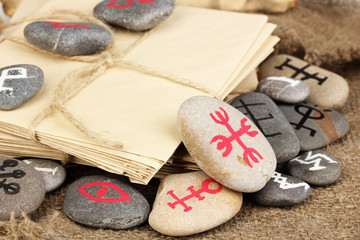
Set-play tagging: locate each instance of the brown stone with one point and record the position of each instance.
(326, 88)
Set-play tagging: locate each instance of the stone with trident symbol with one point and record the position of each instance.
(226, 142)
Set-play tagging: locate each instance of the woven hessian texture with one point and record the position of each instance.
(326, 37)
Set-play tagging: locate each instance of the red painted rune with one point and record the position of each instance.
(123, 196)
(113, 5)
(197, 194)
(226, 142)
(67, 25)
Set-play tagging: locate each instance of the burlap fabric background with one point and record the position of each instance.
(324, 36)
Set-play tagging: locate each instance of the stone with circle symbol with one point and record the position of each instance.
(315, 126)
(19, 83)
(19, 184)
(135, 15)
(185, 202)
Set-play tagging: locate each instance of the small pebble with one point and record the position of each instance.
(284, 89)
(315, 126)
(326, 88)
(267, 116)
(69, 39)
(103, 202)
(317, 167)
(135, 15)
(53, 173)
(282, 191)
(18, 83)
(225, 144)
(22, 188)
(191, 203)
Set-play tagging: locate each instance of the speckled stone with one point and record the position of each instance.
(103, 202)
(267, 116)
(191, 203)
(52, 172)
(326, 88)
(284, 89)
(135, 15)
(225, 144)
(282, 191)
(19, 83)
(70, 38)
(22, 188)
(315, 126)
(317, 167)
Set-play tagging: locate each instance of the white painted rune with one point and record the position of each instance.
(286, 185)
(314, 159)
(11, 73)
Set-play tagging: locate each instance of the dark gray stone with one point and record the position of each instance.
(271, 122)
(282, 191)
(315, 126)
(284, 89)
(134, 15)
(18, 83)
(53, 173)
(103, 202)
(22, 188)
(70, 39)
(317, 167)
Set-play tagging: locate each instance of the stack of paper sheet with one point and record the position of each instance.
(213, 49)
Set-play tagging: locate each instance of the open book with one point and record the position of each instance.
(213, 49)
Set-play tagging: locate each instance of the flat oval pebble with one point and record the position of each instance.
(326, 88)
(284, 89)
(315, 126)
(317, 167)
(267, 116)
(225, 144)
(22, 188)
(282, 191)
(70, 38)
(53, 173)
(138, 15)
(103, 202)
(19, 83)
(191, 203)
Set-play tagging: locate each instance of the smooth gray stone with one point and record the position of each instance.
(103, 202)
(284, 89)
(52, 172)
(317, 167)
(282, 191)
(18, 83)
(315, 126)
(70, 39)
(22, 188)
(271, 122)
(133, 14)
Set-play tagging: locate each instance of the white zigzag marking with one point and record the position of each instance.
(316, 159)
(285, 185)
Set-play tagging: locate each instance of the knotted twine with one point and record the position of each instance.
(80, 78)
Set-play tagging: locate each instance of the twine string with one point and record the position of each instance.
(98, 64)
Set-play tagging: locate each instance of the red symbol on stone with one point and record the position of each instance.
(111, 4)
(197, 194)
(67, 25)
(102, 191)
(226, 142)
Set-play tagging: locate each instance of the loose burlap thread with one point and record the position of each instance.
(79, 79)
